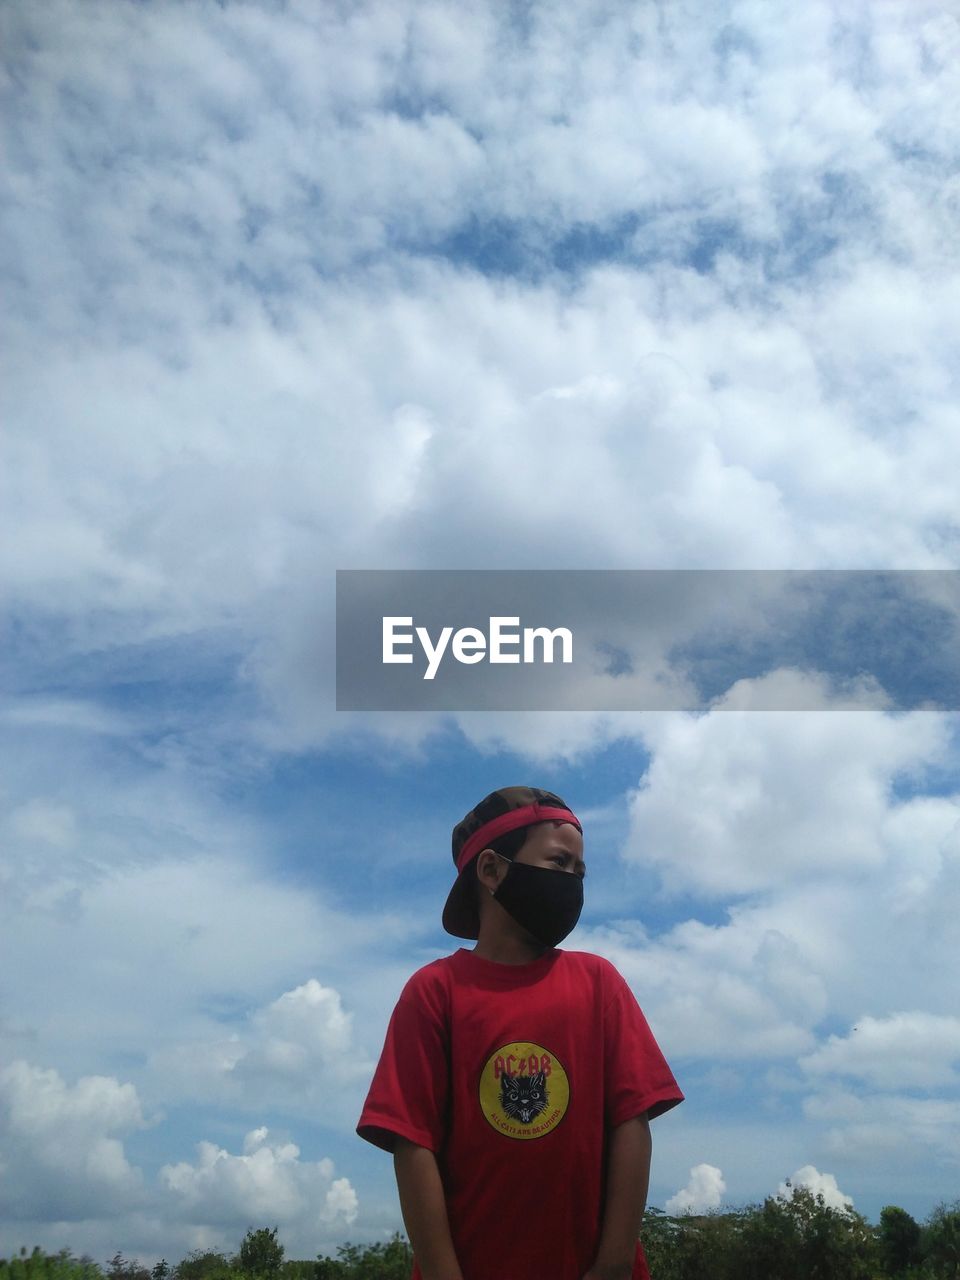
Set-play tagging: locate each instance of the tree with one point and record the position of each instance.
(941, 1242)
(261, 1253)
(390, 1261)
(49, 1266)
(899, 1237)
(803, 1238)
(202, 1264)
(121, 1268)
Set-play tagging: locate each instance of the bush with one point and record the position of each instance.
(390, 1261)
(49, 1266)
(899, 1237)
(261, 1253)
(940, 1242)
(202, 1264)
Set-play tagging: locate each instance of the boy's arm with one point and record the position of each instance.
(424, 1210)
(628, 1176)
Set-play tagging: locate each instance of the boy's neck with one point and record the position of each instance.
(505, 947)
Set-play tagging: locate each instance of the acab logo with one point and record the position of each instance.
(524, 1090)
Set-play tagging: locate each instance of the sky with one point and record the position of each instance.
(293, 287)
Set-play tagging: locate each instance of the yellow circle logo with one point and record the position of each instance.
(524, 1091)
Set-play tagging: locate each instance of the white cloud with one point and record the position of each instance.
(312, 1016)
(733, 993)
(43, 823)
(821, 1184)
(298, 1051)
(738, 802)
(758, 985)
(787, 402)
(902, 1050)
(61, 1144)
(871, 1130)
(704, 1191)
(120, 872)
(64, 1174)
(267, 1182)
(845, 891)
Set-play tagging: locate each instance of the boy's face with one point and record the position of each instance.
(559, 848)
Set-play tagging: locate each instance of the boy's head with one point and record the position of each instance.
(502, 822)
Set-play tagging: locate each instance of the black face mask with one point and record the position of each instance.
(546, 903)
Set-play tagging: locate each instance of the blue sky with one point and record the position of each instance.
(291, 288)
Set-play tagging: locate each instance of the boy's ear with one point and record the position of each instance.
(489, 869)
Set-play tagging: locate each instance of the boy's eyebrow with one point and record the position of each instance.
(567, 854)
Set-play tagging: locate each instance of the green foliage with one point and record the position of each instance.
(298, 1271)
(390, 1261)
(49, 1266)
(803, 1238)
(797, 1239)
(261, 1254)
(121, 1268)
(203, 1264)
(940, 1242)
(691, 1247)
(899, 1239)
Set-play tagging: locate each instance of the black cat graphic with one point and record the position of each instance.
(523, 1097)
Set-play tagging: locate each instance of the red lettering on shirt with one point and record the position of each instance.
(511, 1066)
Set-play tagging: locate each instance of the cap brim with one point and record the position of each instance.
(460, 916)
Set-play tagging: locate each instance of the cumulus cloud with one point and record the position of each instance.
(866, 1128)
(61, 1144)
(62, 1161)
(299, 1049)
(268, 1181)
(704, 1191)
(845, 880)
(441, 262)
(820, 1184)
(125, 874)
(736, 803)
(735, 993)
(914, 1049)
(306, 1023)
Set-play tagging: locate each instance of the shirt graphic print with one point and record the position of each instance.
(524, 1091)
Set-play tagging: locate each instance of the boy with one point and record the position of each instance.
(517, 1082)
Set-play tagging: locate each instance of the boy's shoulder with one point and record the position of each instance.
(590, 962)
(597, 969)
(431, 981)
(462, 966)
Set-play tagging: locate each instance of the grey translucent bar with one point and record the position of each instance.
(647, 639)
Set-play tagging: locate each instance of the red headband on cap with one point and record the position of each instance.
(524, 817)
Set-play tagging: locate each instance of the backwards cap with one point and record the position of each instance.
(501, 811)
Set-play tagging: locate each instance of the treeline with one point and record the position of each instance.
(798, 1239)
(260, 1257)
(803, 1238)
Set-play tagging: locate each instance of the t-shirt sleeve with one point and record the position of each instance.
(638, 1080)
(408, 1095)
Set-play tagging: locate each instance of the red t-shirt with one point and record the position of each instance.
(513, 1075)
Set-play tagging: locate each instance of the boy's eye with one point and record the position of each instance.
(562, 860)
